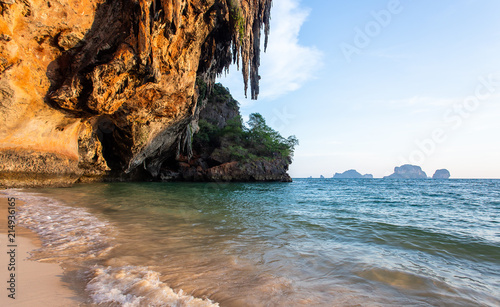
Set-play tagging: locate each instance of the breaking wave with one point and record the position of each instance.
(74, 236)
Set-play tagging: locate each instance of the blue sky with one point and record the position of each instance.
(370, 85)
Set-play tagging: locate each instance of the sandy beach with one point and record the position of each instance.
(36, 283)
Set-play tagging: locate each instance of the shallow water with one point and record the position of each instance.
(310, 242)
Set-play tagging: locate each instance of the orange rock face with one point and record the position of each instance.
(95, 89)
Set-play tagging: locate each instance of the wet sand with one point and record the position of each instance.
(36, 283)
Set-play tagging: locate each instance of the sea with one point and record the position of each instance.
(311, 242)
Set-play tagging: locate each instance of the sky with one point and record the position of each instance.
(370, 85)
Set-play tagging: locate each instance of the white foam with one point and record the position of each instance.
(67, 232)
(137, 286)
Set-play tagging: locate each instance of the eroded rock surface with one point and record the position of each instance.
(94, 89)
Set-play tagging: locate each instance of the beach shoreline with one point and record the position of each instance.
(36, 283)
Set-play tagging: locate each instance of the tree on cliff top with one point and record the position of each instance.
(241, 142)
(224, 136)
(267, 141)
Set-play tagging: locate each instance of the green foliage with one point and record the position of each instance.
(267, 140)
(222, 93)
(237, 153)
(237, 18)
(240, 25)
(202, 89)
(246, 143)
(207, 136)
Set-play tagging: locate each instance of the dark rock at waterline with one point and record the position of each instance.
(197, 169)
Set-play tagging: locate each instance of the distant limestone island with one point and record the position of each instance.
(441, 174)
(352, 174)
(406, 171)
(409, 171)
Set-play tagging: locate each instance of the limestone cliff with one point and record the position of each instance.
(223, 150)
(92, 89)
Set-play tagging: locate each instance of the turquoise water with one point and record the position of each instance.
(319, 242)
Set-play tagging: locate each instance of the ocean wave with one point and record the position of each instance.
(75, 236)
(132, 286)
(67, 233)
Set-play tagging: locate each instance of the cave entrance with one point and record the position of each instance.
(106, 133)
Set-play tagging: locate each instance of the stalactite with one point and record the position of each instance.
(255, 16)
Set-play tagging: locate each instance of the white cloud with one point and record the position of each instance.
(287, 65)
